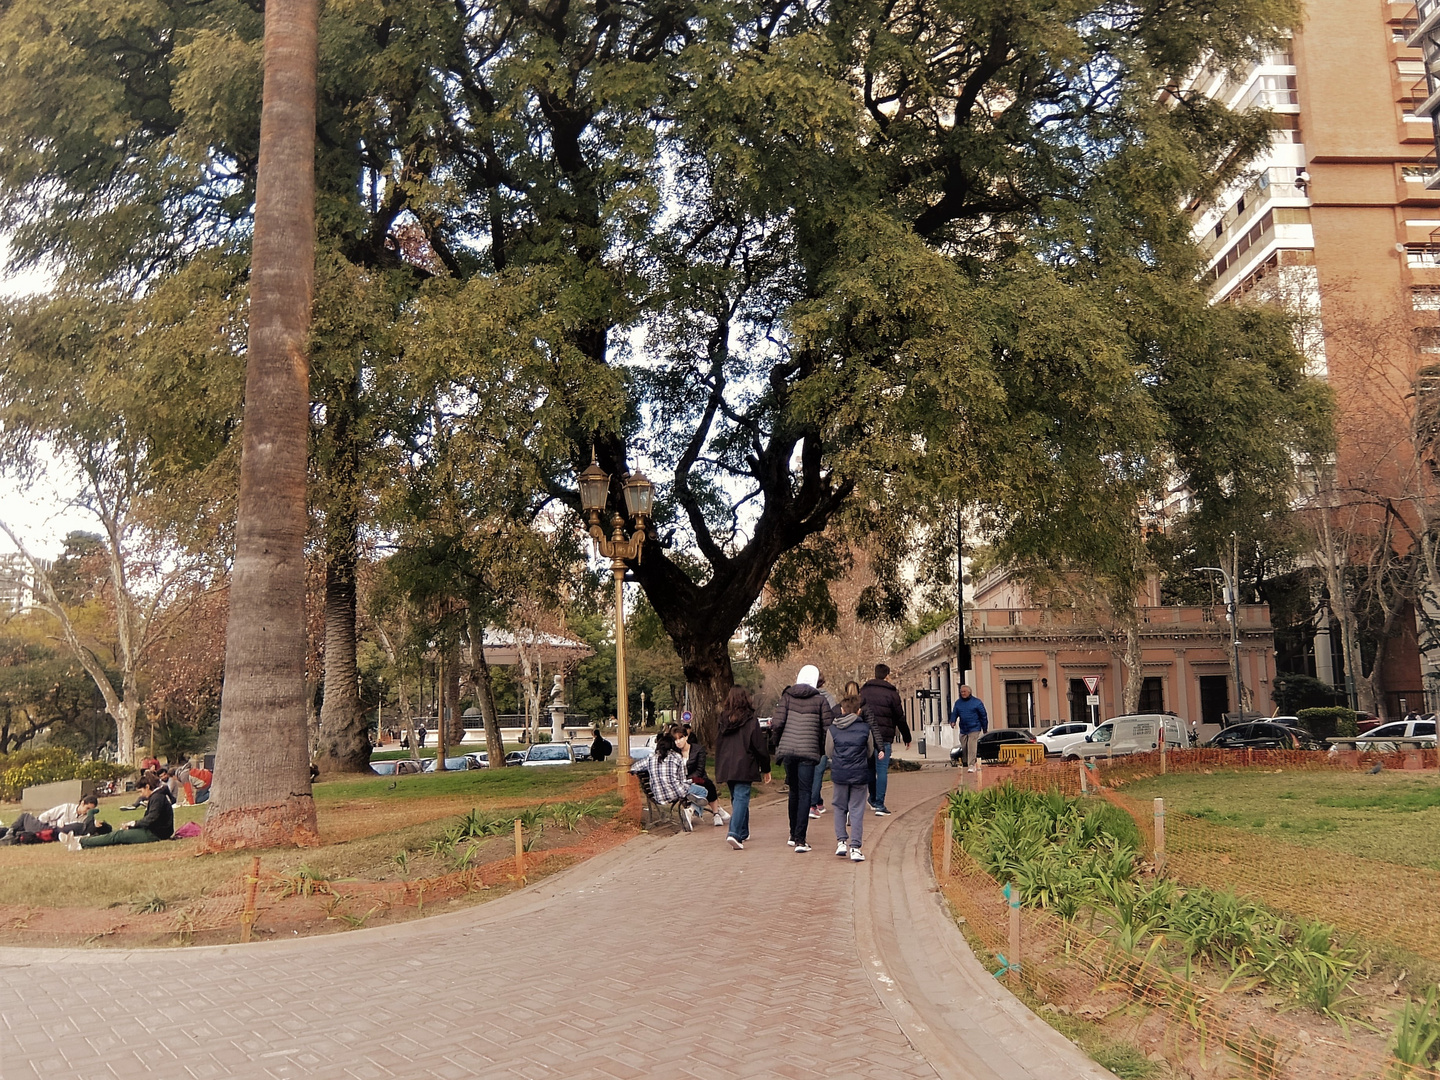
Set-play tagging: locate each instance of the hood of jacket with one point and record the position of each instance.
(846, 720)
(731, 724)
(801, 690)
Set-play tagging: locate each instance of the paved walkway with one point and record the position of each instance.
(667, 957)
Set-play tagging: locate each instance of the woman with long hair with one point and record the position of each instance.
(668, 783)
(741, 758)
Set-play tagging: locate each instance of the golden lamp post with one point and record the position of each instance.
(619, 549)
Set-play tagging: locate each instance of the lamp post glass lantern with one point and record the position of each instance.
(639, 502)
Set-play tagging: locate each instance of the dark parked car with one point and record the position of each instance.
(988, 747)
(1265, 736)
(514, 757)
(581, 751)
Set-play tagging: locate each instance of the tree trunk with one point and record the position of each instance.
(1134, 667)
(485, 694)
(455, 733)
(261, 794)
(344, 731)
(710, 676)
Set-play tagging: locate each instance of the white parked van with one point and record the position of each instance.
(1136, 734)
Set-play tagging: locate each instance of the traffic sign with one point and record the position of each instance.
(1092, 699)
(685, 717)
(1092, 683)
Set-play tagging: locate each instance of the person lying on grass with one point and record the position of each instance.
(76, 817)
(157, 824)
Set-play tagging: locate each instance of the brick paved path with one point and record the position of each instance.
(668, 957)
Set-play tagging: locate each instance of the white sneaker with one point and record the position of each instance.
(719, 821)
(970, 768)
(790, 843)
(800, 849)
(724, 814)
(855, 855)
(841, 848)
(736, 844)
(685, 821)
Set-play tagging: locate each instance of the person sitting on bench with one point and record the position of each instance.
(157, 824)
(669, 786)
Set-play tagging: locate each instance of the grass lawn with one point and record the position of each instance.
(1393, 816)
(364, 824)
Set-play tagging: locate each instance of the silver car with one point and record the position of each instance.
(549, 754)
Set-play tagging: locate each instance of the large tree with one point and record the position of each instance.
(812, 264)
(261, 795)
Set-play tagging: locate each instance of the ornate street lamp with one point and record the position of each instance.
(639, 494)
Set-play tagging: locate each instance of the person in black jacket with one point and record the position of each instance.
(887, 717)
(742, 756)
(801, 717)
(600, 748)
(157, 824)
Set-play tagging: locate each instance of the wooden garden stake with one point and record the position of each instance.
(949, 843)
(1084, 784)
(1159, 837)
(247, 917)
(1163, 769)
(519, 853)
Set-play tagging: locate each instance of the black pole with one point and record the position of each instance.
(962, 648)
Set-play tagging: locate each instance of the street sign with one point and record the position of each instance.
(1092, 683)
(1092, 699)
(685, 717)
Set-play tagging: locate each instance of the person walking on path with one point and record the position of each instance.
(886, 714)
(801, 718)
(817, 801)
(969, 713)
(157, 824)
(742, 757)
(850, 744)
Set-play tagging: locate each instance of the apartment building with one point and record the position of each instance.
(1341, 220)
(17, 582)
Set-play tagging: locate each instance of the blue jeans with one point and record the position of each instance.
(880, 774)
(699, 795)
(815, 799)
(800, 777)
(740, 811)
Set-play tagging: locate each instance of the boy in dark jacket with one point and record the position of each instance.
(157, 824)
(887, 714)
(850, 744)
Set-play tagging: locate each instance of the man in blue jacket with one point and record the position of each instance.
(969, 713)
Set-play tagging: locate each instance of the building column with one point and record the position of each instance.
(1052, 672)
(986, 690)
(1181, 696)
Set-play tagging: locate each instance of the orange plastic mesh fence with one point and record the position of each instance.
(1066, 967)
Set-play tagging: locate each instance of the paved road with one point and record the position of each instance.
(668, 957)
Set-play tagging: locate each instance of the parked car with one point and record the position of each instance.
(452, 764)
(987, 747)
(581, 751)
(478, 760)
(545, 754)
(1058, 736)
(1265, 735)
(515, 757)
(383, 768)
(1135, 734)
(1373, 739)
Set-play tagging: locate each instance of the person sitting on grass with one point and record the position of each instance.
(157, 824)
(669, 786)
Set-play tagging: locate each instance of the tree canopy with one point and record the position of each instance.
(816, 266)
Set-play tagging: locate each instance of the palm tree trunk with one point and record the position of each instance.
(261, 794)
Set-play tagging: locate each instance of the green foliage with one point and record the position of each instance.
(1416, 1039)
(1336, 718)
(1294, 693)
(304, 880)
(39, 690)
(27, 768)
(927, 623)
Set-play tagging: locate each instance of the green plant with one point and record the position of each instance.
(1336, 717)
(48, 764)
(402, 860)
(543, 737)
(1415, 1043)
(439, 848)
(149, 905)
(303, 881)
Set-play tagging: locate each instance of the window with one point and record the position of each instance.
(1019, 703)
(1393, 731)
(1415, 174)
(1425, 297)
(1079, 711)
(1152, 695)
(1214, 698)
(1425, 257)
(1425, 728)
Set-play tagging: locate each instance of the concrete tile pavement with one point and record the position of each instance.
(694, 961)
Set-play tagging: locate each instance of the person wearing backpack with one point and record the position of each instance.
(850, 745)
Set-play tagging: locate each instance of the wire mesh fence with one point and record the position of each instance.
(1101, 965)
